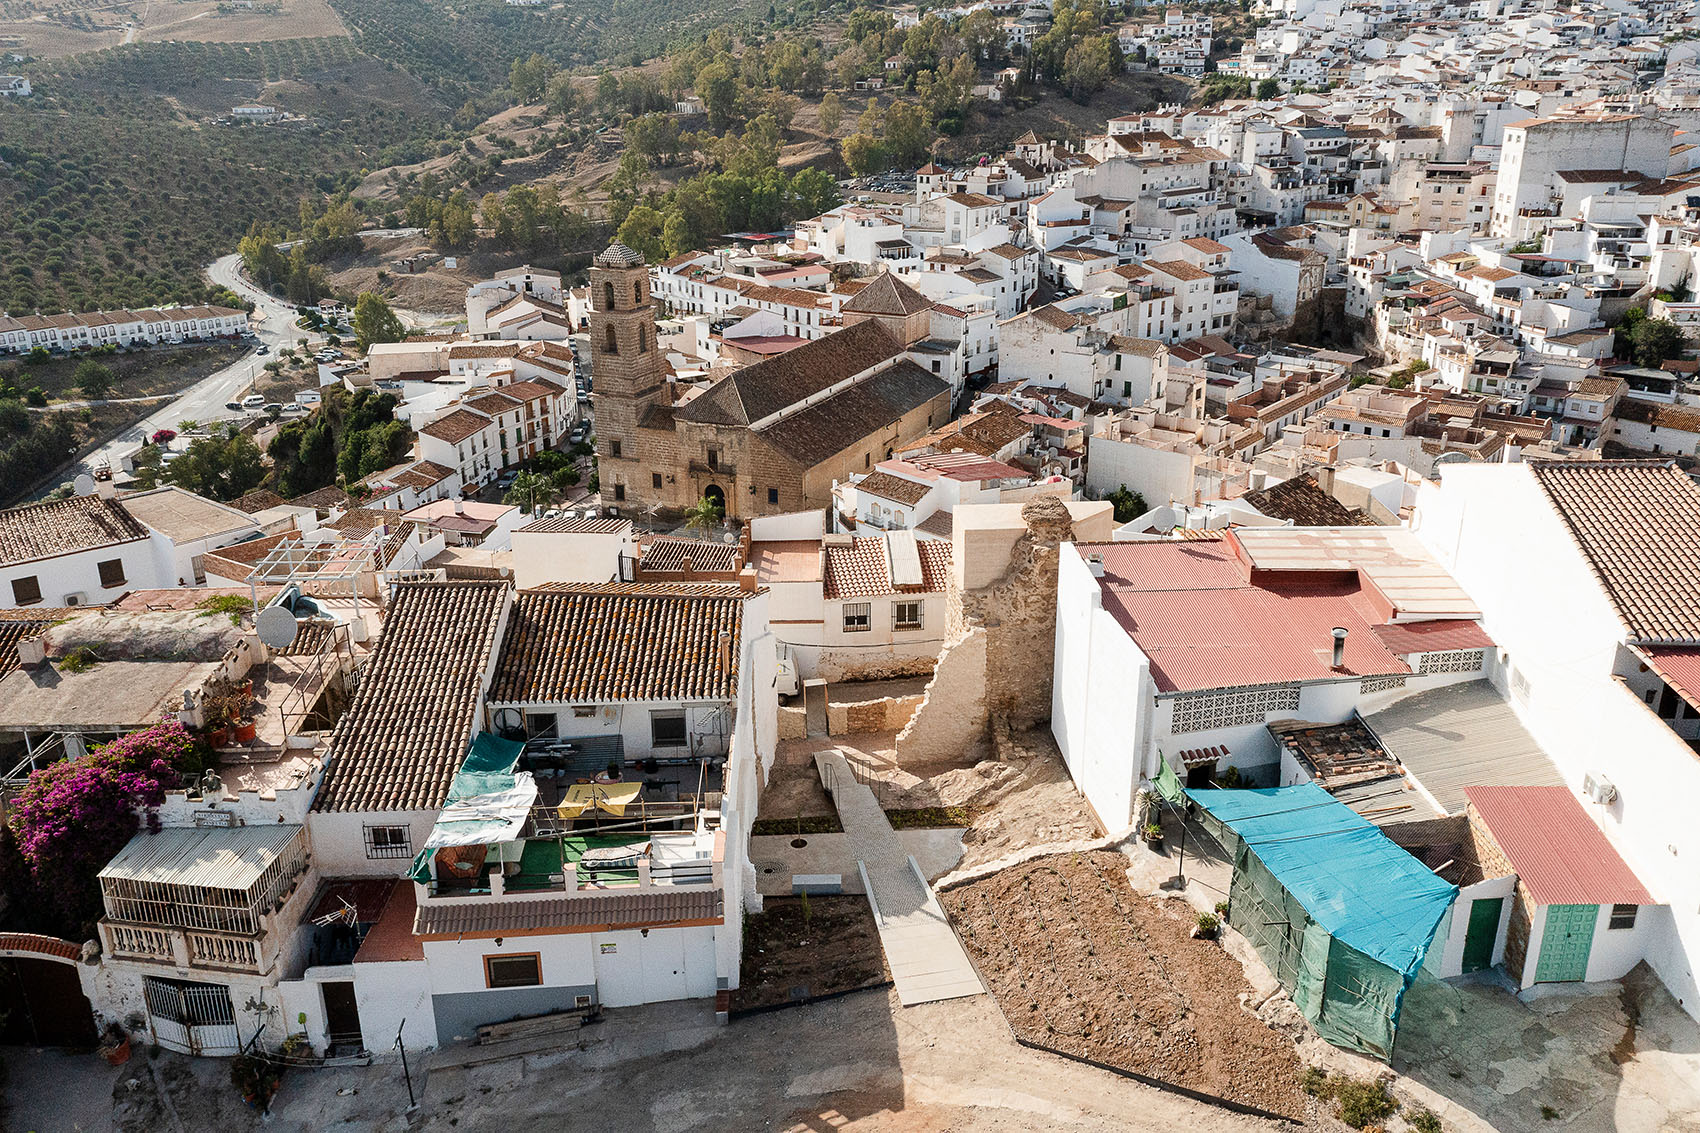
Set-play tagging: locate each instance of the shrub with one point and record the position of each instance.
(1424, 1121)
(1360, 1103)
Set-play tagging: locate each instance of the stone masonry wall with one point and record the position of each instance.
(886, 714)
(1006, 674)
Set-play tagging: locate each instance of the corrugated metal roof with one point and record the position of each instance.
(231, 857)
(1461, 736)
(1679, 668)
(1405, 638)
(635, 909)
(1555, 847)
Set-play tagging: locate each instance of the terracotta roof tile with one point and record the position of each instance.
(63, 527)
(667, 553)
(862, 569)
(773, 384)
(1637, 523)
(451, 920)
(620, 641)
(456, 427)
(894, 488)
(406, 731)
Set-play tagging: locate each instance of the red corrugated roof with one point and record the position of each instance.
(1555, 847)
(1680, 669)
(1203, 625)
(1434, 636)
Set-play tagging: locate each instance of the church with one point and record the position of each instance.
(771, 437)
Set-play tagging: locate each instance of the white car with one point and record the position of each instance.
(253, 401)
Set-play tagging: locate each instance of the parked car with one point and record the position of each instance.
(294, 407)
(262, 349)
(253, 401)
(234, 406)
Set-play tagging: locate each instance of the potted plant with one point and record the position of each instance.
(246, 730)
(115, 1044)
(256, 1079)
(1206, 927)
(1154, 835)
(611, 773)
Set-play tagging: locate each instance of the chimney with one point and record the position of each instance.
(725, 650)
(1095, 564)
(31, 651)
(1325, 478)
(747, 580)
(1339, 647)
(460, 506)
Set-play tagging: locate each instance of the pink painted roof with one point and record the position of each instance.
(1191, 609)
(1432, 637)
(1555, 847)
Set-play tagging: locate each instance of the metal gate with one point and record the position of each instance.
(191, 1018)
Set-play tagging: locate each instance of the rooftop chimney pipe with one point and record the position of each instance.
(1339, 647)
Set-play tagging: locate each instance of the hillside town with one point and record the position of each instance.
(1214, 603)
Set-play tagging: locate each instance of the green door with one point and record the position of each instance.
(1565, 944)
(1479, 937)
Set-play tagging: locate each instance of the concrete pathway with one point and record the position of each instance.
(926, 960)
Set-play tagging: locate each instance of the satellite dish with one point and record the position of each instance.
(83, 485)
(276, 627)
(728, 538)
(510, 724)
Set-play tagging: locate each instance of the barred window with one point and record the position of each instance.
(389, 842)
(1200, 712)
(857, 616)
(1452, 661)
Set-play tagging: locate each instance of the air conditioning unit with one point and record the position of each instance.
(76, 599)
(1599, 789)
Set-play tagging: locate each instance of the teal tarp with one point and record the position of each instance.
(1351, 878)
(488, 767)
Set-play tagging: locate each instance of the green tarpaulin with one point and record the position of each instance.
(1341, 914)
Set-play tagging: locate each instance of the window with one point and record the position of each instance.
(583, 711)
(612, 344)
(522, 970)
(856, 617)
(667, 729)
(607, 296)
(619, 491)
(389, 842)
(773, 495)
(643, 340)
(539, 725)
(638, 291)
(26, 591)
(655, 480)
(1622, 916)
(906, 615)
(614, 448)
(111, 573)
(714, 458)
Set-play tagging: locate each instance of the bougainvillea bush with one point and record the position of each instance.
(73, 817)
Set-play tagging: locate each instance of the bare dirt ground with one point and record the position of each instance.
(1079, 963)
(797, 949)
(1020, 797)
(435, 291)
(52, 29)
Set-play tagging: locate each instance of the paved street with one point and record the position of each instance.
(205, 400)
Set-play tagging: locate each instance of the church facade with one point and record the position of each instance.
(766, 439)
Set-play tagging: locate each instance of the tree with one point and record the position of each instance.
(1268, 90)
(1651, 341)
(219, 468)
(374, 322)
(73, 817)
(94, 380)
(655, 136)
(906, 133)
(561, 98)
(703, 514)
(1128, 505)
(717, 86)
(831, 113)
(642, 232)
(530, 77)
(531, 491)
(1087, 67)
(862, 154)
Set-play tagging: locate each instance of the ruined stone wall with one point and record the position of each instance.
(1000, 647)
(793, 723)
(885, 714)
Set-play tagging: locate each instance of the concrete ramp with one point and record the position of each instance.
(926, 960)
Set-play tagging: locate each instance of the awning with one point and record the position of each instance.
(613, 798)
(498, 816)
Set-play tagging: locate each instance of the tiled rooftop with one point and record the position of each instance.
(63, 527)
(405, 733)
(863, 570)
(569, 644)
(1637, 523)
